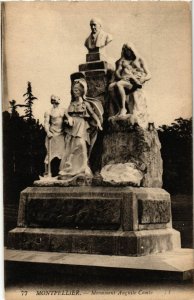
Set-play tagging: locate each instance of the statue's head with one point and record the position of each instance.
(55, 100)
(128, 52)
(95, 24)
(79, 88)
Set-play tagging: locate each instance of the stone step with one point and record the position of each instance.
(98, 65)
(129, 243)
(176, 264)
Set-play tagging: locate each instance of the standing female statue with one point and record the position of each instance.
(83, 122)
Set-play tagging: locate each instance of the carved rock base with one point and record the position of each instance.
(133, 146)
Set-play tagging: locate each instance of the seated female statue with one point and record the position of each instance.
(130, 75)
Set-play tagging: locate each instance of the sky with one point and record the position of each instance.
(43, 42)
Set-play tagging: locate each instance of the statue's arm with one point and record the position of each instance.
(94, 115)
(47, 124)
(118, 70)
(68, 118)
(145, 69)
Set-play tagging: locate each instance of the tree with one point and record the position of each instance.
(30, 101)
(176, 141)
(30, 118)
(23, 154)
(13, 107)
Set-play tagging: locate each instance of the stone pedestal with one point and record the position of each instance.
(95, 220)
(96, 73)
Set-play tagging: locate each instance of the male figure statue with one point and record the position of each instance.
(53, 124)
(98, 38)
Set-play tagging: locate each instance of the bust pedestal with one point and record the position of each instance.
(97, 73)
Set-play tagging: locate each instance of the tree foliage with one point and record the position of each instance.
(14, 106)
(29, 102)
(23, 147)
(23, 154)
(176, 141)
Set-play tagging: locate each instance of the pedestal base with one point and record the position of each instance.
(95, 242)
(95, 220)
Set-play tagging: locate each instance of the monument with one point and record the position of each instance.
(122, 211)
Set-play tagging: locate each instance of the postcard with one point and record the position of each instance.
(97, 149)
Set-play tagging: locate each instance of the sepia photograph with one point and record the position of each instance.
(97, 150)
